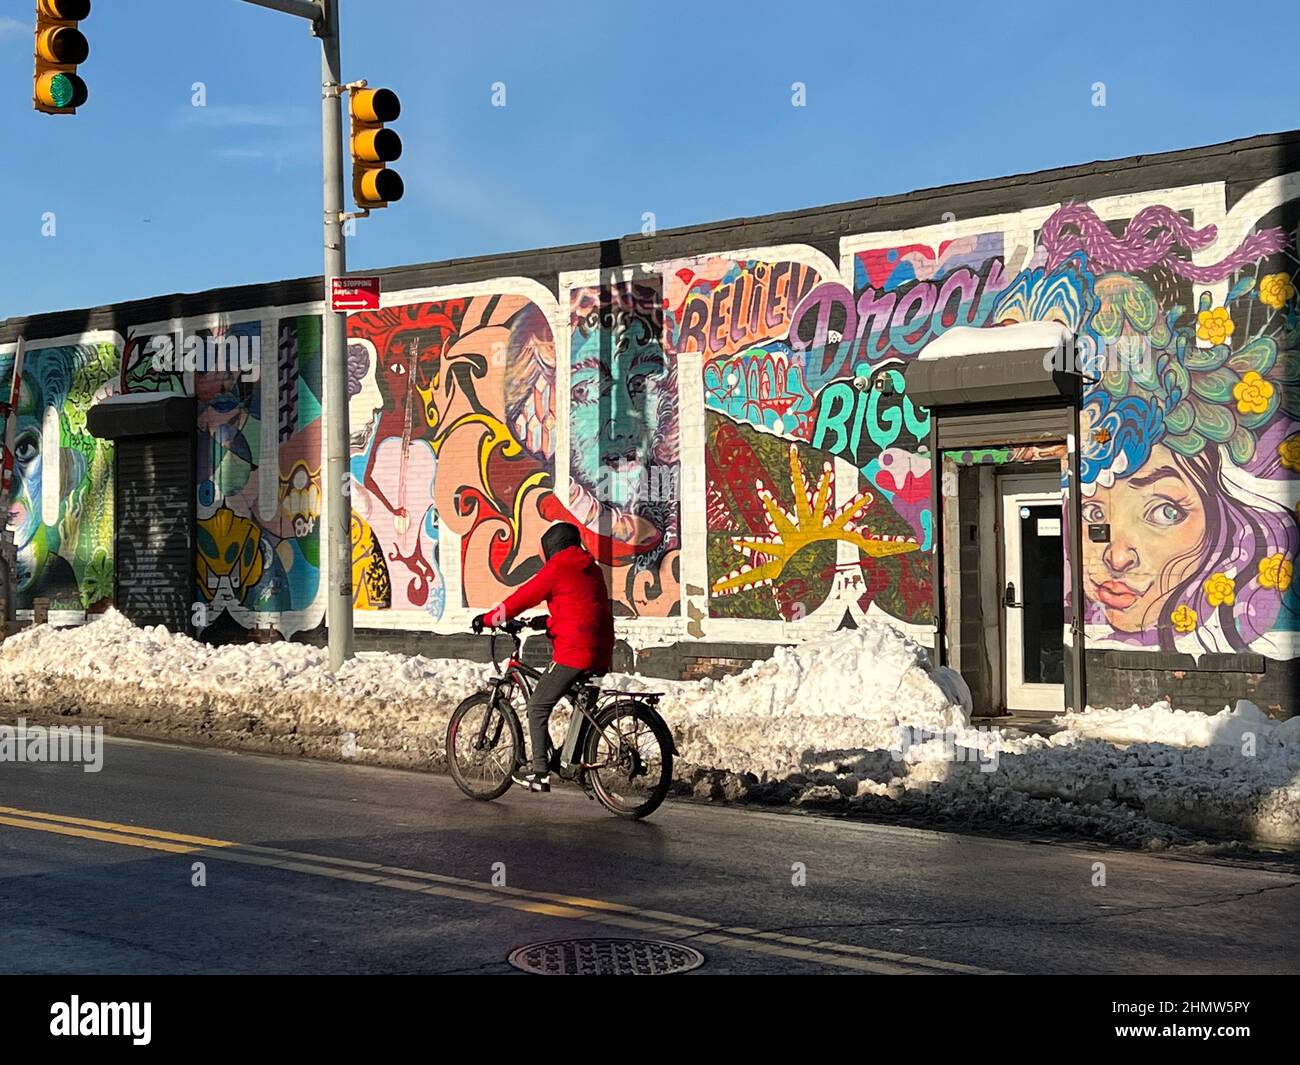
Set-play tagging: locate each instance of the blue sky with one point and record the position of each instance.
(612, 110)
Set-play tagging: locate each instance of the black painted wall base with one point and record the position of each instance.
(1122, 678)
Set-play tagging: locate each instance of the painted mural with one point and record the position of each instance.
(61, 511)
(624, 452)
(295, 527)
(733, 432)
(1191, 438)
(453, 406)
(257, 476)
(815, 491)
(237, 570)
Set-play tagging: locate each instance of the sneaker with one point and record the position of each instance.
(531, 779)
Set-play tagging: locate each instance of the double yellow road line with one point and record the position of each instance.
(550, 904)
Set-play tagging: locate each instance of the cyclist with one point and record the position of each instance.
(581, 627)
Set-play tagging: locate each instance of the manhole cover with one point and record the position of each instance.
(606, 957)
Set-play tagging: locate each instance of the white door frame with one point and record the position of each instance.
(1013, 493)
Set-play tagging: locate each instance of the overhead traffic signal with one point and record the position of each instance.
(374, 147)
(60, 48)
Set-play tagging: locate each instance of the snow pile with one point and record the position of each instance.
(1162, 723)
(861, 720)
(1235, 773)
(255, 695)
(858, 720)
(853, 690)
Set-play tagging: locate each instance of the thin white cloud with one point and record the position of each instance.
(437, 179)
(11, 27)
(245, 153)
(225, 116)
(292, 152)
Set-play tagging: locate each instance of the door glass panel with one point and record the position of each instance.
(1042, 578)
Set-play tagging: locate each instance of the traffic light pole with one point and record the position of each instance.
(338, 495)
(324, 15)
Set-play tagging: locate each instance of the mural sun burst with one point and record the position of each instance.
(813, 521)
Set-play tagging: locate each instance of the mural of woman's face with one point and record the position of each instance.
(25, 506)
(1157, 526)
(28, 487)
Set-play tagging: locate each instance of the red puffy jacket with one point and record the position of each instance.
(582, 624)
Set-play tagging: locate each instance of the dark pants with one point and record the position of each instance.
(549, 690)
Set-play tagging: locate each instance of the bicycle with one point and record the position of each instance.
(617, 747)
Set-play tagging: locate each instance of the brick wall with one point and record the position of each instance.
(1122, 678)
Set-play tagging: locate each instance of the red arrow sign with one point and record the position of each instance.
(354, 294)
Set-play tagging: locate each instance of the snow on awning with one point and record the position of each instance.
(1022, 362)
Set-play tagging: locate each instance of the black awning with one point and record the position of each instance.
(142, 414)
(994, 377)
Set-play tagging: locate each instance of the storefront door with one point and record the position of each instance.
(1033, 592)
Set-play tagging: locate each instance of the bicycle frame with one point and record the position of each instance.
(585, 699)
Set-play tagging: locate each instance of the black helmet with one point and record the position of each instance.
(559, 536)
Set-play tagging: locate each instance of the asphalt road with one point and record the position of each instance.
(332, 868)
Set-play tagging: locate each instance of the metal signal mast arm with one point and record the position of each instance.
(308, 9)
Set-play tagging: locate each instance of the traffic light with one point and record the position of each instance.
(60, 48)
(374, 147)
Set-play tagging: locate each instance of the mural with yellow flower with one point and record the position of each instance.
(1276, 290)
(483, 409)
(1289, 452)
(1275, 572)
(1220, 590)
(1252, 393)
(1214, 326)
(1191, 451)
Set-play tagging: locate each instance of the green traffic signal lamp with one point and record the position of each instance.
(60, 91)
(60, 48)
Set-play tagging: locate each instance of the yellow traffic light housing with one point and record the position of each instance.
(60, 48)
(374, 147)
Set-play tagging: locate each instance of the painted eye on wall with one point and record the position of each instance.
(1166, 513)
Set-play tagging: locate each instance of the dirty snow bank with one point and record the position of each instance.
(860, 721)
(856, 721)
(851, 691)
(1162, 723)
(272, 696)
(1235, 773)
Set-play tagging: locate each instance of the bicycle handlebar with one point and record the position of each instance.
(540, 623)
(512, 629)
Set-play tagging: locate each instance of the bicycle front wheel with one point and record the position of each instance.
(484, 743)
(629, 758)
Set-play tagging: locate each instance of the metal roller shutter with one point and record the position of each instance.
(965, 429)
(155, 530)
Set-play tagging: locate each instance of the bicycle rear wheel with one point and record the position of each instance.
(629, 758)
(484, 743)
